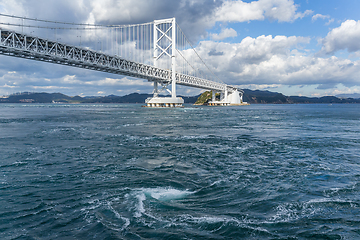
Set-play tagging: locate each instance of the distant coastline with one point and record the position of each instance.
(250, 96)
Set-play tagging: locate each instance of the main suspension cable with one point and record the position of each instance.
(198, 55)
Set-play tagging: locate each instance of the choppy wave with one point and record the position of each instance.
(125, 172)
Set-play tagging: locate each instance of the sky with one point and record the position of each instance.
(295, 47)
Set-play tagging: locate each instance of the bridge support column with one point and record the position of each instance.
(165, 29)
(173, 60)
(156, 89)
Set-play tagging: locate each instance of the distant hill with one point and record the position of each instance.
(250, 96)
(353, 95)
(39, 98)
(257, 96)
(61, 98)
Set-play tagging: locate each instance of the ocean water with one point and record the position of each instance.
(127, 172)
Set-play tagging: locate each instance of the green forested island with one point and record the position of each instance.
(250, 96)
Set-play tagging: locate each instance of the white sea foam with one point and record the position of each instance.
(294, 211)
(126, 220)
(140, 204)
(224, 220)
(190, 137)
(166, 194)
(161, 194)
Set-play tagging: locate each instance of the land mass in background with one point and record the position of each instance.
(250, 96)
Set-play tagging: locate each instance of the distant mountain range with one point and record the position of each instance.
(28, 97)
(353, 95)
(250, 96)
(257, 96)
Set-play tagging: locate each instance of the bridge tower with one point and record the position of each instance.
(165, 47)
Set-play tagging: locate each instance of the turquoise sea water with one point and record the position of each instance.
(127, 172)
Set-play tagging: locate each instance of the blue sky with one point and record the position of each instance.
(296, 47)
(334, 13)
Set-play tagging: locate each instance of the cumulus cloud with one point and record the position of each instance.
(225, 33)
(273, 61)
(248, 51)
(347, 36)
(277, 10)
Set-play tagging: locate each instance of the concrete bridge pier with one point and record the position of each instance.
(228, 99)
(164, 102)
(161, 102)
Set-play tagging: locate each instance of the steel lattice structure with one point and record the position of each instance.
(30, 47)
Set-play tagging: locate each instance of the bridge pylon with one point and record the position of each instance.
(165, 46)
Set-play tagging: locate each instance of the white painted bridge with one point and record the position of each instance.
(160, 39)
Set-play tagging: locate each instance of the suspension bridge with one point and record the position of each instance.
(157, 51)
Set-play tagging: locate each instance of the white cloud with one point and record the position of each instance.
(317, 16)
(320, 16)
(12, 7)
(118, 82)
(277, 10)
(347, 36)
(107, 81)
(225, 33)
(107, 11)
(272, 61)
(330, 21)
(57, 88)
(248, 51)
(239, 11)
